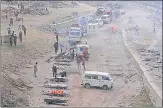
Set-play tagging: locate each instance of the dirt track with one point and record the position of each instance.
(108, 53)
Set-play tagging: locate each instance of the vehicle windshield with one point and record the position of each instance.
(75, 33)
(103, 17)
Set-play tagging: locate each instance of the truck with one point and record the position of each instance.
(74, 35)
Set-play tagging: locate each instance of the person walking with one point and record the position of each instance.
(6, 15)
(73, 55)
(137, 30)
(11, 40)
(20, 36)
(54, 69)
(19, 28)
(56, 47)
(9, 31)
(11, 22)
(13, 32)
(24, 29)
(57, 37)
(15, 39)
(83, 63)
(78, 59)
(35, 69)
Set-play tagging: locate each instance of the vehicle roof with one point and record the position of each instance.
(92, 24)
(75, 28)
(105, 15)
(97, 73)
(81, 45)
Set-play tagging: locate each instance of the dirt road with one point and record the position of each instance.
(109, 54)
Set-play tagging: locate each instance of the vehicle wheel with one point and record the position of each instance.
(87, 85)
(105, 87)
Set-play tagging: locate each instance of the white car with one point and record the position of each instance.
(100, 22)
(97, 79)
(106, 19)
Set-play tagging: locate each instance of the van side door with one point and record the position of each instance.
(95, 80)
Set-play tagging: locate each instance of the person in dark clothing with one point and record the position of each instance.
(9, 31)
(11, 40)
(12, 34)
(73, 54)
(57, 37)
(56, 47)
(24, 29)
(11, 21)
(63, 74)
(6, 16)
(54, 69)
(20, 36)
(15, 39)
(35, 69)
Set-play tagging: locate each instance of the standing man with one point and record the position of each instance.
(35, 69)
(83, 63)
(15, 39)
(78, 60)
(61, 47)
(11, 40)
(57, 37)
(12, 34)
(19, 28)
(9, 31)
(11, 22)
(137, 30)
(56, 47)
(54, 69)
(73, 54)
(6, 16)
(24, 29)
(20, 36)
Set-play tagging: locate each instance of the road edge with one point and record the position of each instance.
(154, 92)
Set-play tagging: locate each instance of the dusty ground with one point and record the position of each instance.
(35, 44)
(147, 45)
(108, 53)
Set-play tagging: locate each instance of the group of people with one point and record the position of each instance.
(54, 70)
(13, 37)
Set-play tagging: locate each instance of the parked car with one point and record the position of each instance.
(106, 19)
(97, 79)
(100, 22)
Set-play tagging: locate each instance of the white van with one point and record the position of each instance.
(106, 19)
(97, 79)
(92, 28)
